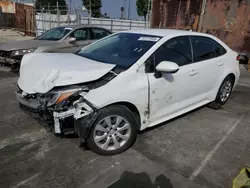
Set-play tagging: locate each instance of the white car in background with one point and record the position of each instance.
(127, 82)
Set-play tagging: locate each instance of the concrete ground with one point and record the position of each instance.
(9, 34)
(205, 148)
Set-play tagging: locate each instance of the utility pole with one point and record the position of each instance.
(151, 11)
(57, 12)
(70, 2)
(147, 19)
(90, 9)
(129, 9)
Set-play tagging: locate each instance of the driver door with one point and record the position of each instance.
(171, 94)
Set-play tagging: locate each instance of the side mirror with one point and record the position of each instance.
(72, 40)
(167, 67)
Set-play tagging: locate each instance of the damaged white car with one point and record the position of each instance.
(126, 82)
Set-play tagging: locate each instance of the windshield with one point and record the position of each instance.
(55, 33)
(121, 49)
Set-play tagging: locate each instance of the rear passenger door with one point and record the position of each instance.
(208, 55)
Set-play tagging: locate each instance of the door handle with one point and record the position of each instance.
(193, 72)
(220, 63)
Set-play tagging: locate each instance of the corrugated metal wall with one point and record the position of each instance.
(227, 19)
(19, 16)
(25, 19)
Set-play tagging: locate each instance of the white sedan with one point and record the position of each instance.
(127, 82)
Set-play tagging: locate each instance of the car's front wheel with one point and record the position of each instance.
(114, 131)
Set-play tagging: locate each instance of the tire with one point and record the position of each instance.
(223, 94)
(102, 137)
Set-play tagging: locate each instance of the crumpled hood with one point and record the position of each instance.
(40, 72)
(25, 44)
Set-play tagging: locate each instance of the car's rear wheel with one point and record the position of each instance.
(224, 93)
(114, 131)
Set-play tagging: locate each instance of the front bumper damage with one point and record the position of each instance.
(84, 118)
(81, 116)
(77, 112)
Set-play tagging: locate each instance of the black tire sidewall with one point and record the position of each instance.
(218, 100)
(122, 111)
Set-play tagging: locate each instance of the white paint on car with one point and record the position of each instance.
(178, 86)
(40, 72)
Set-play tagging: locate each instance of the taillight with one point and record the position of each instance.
(238, 57)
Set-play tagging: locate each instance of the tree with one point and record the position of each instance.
(142, 8)
(51, 5)
(96, 6)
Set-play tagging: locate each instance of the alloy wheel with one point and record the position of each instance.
(112, 132)
(225, 91)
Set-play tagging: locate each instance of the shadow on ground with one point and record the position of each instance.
(141, 180)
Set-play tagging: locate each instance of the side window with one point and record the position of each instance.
(80, 34)
(203, 47)
(177, 50)
(219, 50)
(97, 33)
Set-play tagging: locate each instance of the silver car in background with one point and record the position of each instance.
(64, 39)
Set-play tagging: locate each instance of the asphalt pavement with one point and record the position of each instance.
(204, 148)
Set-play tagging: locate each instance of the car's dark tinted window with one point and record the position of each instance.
(120, 49)
(176, 50)
(97, 33)
(205, 48)
(219, 50)
(80, 34)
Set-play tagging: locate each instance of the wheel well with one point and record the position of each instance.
(133, 109)
(232, 76)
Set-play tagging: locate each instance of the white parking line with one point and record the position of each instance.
(243, 85)
(198, 170)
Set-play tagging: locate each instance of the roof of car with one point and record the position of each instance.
(81, 26)
(166, 32)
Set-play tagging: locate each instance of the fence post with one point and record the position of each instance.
(57, 11)
(42, 22)
(130, 25)
(112, 21)
(49, 20)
